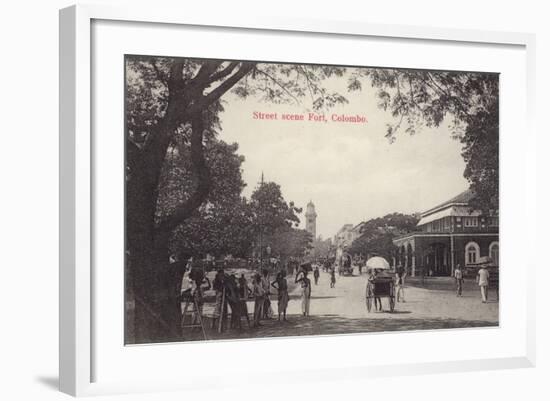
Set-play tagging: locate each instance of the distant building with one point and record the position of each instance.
(344, 237)
(449, 234)
(311, 219)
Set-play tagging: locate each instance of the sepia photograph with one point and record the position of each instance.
(273, 199)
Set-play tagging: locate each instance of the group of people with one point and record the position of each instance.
(330, 269)
(232, 294)
(261, 289)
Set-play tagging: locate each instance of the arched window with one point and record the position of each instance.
(493, 252)
(471, 253)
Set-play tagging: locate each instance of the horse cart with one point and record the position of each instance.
(381, 287)
(345, 267)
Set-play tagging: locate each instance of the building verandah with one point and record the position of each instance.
(438, 254)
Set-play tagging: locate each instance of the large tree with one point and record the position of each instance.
(271, 215)
(221, 225)
(377, 234)
(289, 242)
(467, 100)
(170, 100)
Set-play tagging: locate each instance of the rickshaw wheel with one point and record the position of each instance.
(369, 304)
(392, 303)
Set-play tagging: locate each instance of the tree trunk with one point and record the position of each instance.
(149, 282)
(155, 287)
(155, 283)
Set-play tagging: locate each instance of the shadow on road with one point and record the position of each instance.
(298, 325)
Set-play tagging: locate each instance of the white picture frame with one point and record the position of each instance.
(78, 375)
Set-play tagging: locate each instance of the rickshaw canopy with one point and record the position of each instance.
(378, 262)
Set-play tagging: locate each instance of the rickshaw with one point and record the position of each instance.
(383, 285)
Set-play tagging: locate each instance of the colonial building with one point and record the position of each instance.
(311, 219)
(344, 236)
(449, 234)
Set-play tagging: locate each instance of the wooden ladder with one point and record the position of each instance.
(192, 309)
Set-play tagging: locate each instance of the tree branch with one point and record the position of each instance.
(207, 69)
(451, 97)
(308, 82)
(223, 73)
(160, 75)
(279, 85)
(222, 88)
(202, 174)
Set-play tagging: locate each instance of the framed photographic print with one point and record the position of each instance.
(275, 187)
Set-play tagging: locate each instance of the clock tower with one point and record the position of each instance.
(311, 218)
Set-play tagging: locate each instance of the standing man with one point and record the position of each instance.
(316, 274)
(459, 279)
(400, 284)
(220, 310)
(483, 281)
(267, 311)
(258, 293)
(305, 283)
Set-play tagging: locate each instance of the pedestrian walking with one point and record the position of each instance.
(316, 275)
(459, 279)
(280, 284)
(483, 282)
(332, 277)
(305, 284)
(258, 294)
(400, 284)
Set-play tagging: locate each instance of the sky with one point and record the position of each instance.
(349, 170)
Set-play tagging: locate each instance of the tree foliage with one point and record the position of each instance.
(270, 211)
(289, 242)
(377, 234)
(222, 224)
(481, 154)
(469, 100)
(173, 101)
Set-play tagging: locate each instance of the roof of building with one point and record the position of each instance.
(461, 199)
(345, 227)
(462, 211)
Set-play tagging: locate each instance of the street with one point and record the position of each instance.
(342, 310)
